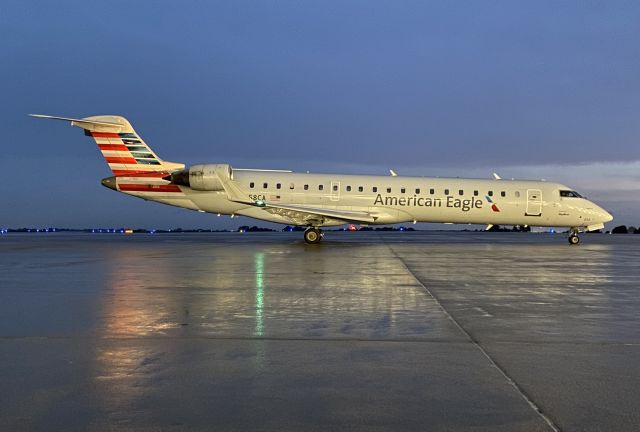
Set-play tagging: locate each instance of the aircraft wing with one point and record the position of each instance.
(297, 214)
(301, 215)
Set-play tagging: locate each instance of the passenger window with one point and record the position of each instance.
(402, 190)
(348, 188)
(446, 191)
(417, 190)
(388, 190)
(503, 194)
(490, 193)
(251, 185)
(264, 185)
(292, 186)
(432, 191)
(306, 187)
(517, 194)
(475, 193)
(360, 189)
(320, 187)
(278, 185)
(335, 188)
(460, 192)
(374, 189)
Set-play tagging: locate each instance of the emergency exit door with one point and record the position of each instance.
(334, 194)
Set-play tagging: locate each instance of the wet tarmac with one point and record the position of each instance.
(365, 332)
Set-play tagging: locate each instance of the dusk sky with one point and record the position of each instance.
(526, 89)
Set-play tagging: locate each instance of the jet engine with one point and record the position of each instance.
(203, 177)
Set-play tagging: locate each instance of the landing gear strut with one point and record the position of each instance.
(312, 235)
(573, 237)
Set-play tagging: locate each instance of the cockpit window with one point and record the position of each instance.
(570, 194)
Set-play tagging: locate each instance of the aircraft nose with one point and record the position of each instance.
(604, 215)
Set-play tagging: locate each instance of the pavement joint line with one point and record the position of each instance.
(502, 371)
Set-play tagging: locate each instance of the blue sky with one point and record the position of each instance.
(528, 89)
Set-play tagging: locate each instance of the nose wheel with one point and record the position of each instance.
(312, 235)
(573, 237)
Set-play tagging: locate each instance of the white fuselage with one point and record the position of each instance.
(396, 199)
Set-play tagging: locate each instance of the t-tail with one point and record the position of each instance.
(123, 149)
(137, 170)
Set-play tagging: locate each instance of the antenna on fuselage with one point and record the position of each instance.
(496, 176)
(393, 173)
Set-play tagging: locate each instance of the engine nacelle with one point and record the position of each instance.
(204, 177)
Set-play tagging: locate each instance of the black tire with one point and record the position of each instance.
(574, 239)
(312, 236)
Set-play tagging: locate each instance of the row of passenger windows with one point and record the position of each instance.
(374, 189)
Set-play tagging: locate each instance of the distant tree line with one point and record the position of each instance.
(623, 229)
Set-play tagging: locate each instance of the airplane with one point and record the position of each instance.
(321, 200)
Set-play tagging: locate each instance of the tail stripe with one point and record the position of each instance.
(120, 160)
(136, 173)
(104, 135)
(117, 147)
(148, 188)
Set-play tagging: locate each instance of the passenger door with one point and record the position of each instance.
(534, 202)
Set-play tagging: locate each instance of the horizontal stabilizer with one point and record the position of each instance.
(80, 122)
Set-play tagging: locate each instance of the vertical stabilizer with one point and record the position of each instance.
(123, 149)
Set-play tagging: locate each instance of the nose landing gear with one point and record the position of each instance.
(573, 237)
(313, 235)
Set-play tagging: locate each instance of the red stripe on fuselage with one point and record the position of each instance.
(132, 173)
(104, 135)
(121, 160)
(117, 147)
(148, 188)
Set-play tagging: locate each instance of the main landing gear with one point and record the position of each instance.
(573, 237)
(313, 235)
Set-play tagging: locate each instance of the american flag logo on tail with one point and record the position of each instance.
(136, 167)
